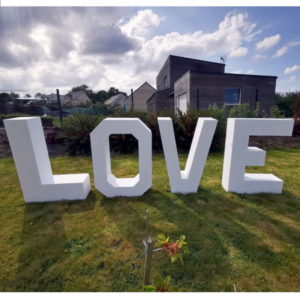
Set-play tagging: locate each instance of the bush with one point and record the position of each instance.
(288, 104)
(76, 131)
(77, 128)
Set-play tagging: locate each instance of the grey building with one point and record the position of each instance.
(139, 98)
(116, 101)
(185, 83)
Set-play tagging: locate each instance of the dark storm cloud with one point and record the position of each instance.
(107, 40)
(96, 25)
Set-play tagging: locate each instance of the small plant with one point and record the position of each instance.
(174, 249)
(160, 284)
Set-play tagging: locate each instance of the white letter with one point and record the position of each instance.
(238, 155)
(28, 146)
(186, 181)
(105, 181)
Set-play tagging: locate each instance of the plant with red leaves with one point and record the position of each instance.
(175, 250)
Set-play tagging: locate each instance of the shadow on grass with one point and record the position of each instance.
(226, 234)
(219, 231)
(43, 244)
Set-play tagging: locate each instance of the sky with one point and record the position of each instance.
(44, 48)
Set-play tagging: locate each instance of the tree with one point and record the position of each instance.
(100, 96)
(4, 97)
(40, 96)
(112, 92)
(14, 96)
(28, 96)
(288, 103)
(84, 88)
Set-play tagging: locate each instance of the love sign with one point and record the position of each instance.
(28, 146)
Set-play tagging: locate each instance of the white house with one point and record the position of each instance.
(76, 98)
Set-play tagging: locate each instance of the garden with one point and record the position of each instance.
(233, 242)
(236, 242)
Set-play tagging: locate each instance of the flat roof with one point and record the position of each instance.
(231, 74)
(195, 59)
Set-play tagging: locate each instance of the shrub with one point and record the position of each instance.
(76, 131)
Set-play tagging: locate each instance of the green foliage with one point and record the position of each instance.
(161, 240)
(160, 284)
(176, 249)
(99, 96)
(76, 131)
(251, 241)
(4, 97)
(276, 113)
(184, 127)
(288, 103)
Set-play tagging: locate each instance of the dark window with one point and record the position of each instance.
(165, 81)
(232, 96)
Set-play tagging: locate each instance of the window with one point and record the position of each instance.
(232, 96)
(165, 81)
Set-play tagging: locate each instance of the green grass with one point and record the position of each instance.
(250, 241)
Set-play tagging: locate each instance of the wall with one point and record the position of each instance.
(211, 89)
(140, 97)
(173, 69)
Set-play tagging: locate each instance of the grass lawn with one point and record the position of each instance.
(250, 241)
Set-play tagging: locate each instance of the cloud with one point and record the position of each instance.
(268, 42)
(259, 57)
(107, 40)
(48, 48)
(241, 51)
(292, 69)
(231, 33)
(280, 52)
(140, 24)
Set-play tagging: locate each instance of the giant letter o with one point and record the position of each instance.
(105, 181)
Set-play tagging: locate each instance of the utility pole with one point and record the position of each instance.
(59, 106)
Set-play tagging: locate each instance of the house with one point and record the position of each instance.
(52, 98)
(186, 83)
(76, 98)
(139, 98)
(116, 101)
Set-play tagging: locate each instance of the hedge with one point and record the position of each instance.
(76, 128)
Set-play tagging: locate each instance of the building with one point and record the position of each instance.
(186, 83)
(76, 99)
(139, 98)
(116, 101)
(52, 98)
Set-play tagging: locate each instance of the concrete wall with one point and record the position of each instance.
(160, 101)
(140, 98)
(211, 89)
(172, 70)
(176, 66)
